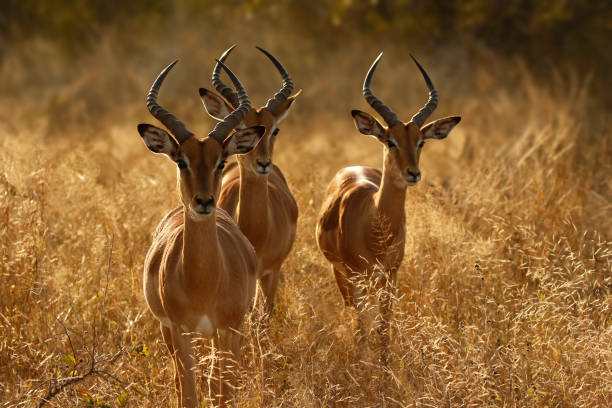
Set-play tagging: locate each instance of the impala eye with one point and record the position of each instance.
(275, 132)
(421, 144)
(181, 164)
(391, 144)
(221, 165)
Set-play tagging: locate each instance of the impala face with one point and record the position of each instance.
(403, 146)
(405, 150)
(200, 163)
(259, 161)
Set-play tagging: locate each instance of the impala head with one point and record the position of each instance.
(403, 140)
(199, 161)
(259, 160)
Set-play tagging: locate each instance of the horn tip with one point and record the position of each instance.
(418, 64)
(377, 59)
(228, 51)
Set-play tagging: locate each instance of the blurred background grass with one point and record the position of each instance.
(505, 290)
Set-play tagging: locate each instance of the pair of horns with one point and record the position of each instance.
(274, 103)
(178, 128)
(387, 114)
(239, 99)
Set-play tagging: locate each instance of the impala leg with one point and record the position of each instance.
(386, 313)
(269, 284)
(228, 352)
(383, 328)
(234, 342)
(343, 284)
(185, 362)
(167, 335)
(353, 295)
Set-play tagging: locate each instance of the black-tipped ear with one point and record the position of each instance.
(439, 129)
(283, 110)
(367, 125)
(158, 140)
(243, 140)
(215, 105)
(143, 127)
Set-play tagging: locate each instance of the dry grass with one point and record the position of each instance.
(505, 290)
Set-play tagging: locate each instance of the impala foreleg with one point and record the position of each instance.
(185, 364)
(167, 335)
(269, 285)
(385, 297)
(343, 284)
(227, 345)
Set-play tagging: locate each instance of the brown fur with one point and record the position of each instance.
(361, 226)
(200, 271)
(262, 204)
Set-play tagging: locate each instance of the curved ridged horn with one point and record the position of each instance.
(175, 126)
(223, 128)
(431, 104)
(226, 91)
(281, 96)
(384, 111)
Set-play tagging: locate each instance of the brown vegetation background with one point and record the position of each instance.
(505, 291)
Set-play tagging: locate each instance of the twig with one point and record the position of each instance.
(67, 335)
(55, 389)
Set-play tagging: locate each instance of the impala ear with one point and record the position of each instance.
(158, 140)
(439, 129)
(243, 141)
(368, 125)
(216, 106)
(283, 110)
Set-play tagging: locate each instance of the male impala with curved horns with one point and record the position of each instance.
(254, 190)
(199, 274)
(362, 224)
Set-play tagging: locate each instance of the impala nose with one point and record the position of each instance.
(413, 176)
(202, 206)
(263, 168)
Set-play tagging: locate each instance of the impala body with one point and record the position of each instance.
(254, 190)
(200, 272)
(361, 227)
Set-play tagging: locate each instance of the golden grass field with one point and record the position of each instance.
(504, 296)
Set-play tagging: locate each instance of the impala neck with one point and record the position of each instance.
(202, 260)
(390, 198)
(252, 212)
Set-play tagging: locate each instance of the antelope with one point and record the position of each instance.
(254, 190)
(199, 273)
(360, 202)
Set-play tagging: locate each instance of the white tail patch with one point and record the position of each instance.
(204, 326)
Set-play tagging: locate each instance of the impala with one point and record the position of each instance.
(361, 202)
(199, 274)
(254, 190)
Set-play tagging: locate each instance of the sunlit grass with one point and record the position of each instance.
(504, 293)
